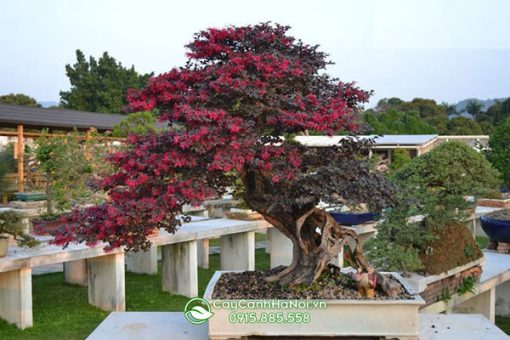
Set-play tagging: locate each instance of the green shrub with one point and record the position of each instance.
(400, 158)
(467, 285)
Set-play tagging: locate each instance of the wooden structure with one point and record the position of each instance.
(55, 120)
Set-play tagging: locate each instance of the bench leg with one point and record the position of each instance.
(280, 248)
(75, 272)
(16, 297)
(180, 273)
(107, 282)
(484, 303)
(503, 299)
(238, 251)
(143, 262)
(203, 253)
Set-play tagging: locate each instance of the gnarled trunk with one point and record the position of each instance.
(316, 237)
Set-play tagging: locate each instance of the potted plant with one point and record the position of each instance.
(71, 163)
(497, 226)
(357, 214)
(243, 89)
(11, 224)
(424, 237)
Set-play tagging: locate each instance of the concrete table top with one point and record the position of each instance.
(45, 254)
(148, 325)
(172, 325)
(458, 326)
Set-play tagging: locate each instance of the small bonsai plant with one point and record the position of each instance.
(433, 186)
(241, 91)
(71, 163)
(11, 223)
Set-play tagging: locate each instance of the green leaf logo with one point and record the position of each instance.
(197, 311)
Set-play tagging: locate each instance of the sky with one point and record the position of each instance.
(447, 50)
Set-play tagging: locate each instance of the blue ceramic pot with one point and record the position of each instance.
(497, 230)
(354, 218)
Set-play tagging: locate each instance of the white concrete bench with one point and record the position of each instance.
(105, 278)
(104, 272)
(492, 293)
(172, 325)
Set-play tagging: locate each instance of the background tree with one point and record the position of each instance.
(450, 109)
(241, 89)
(474, 107)
(463, 126)
(430, 111)
(397, 123)
(496, 113)
(499, 149)
(18, 99)
(99, 85)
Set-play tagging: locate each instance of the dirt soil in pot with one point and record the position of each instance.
(331, 285)
(502, 215)
(453, 246)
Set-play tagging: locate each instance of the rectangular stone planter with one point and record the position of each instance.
(494, 202)
(382, 318)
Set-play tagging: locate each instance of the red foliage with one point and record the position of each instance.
(241, 88)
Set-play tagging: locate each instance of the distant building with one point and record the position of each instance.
(384, 145)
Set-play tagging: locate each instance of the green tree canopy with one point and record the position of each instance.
(397, 122)
(495, 114)
(463, 126)
(427, 109)
(499, 153)
(19, 99)
(474, 107)
(99, 85)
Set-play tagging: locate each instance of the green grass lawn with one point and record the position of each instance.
(61, 310)
(482, 241)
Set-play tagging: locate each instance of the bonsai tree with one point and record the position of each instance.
(435, 186)
(11, 223)
(232, 111)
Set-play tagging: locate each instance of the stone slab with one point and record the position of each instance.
(148, 325)
(75, 272)
(458, 326)
(106, 282)
(16, 297)
(166, 325)
(45, 254)
(238, 251)
(180, 274)
(143, 262)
